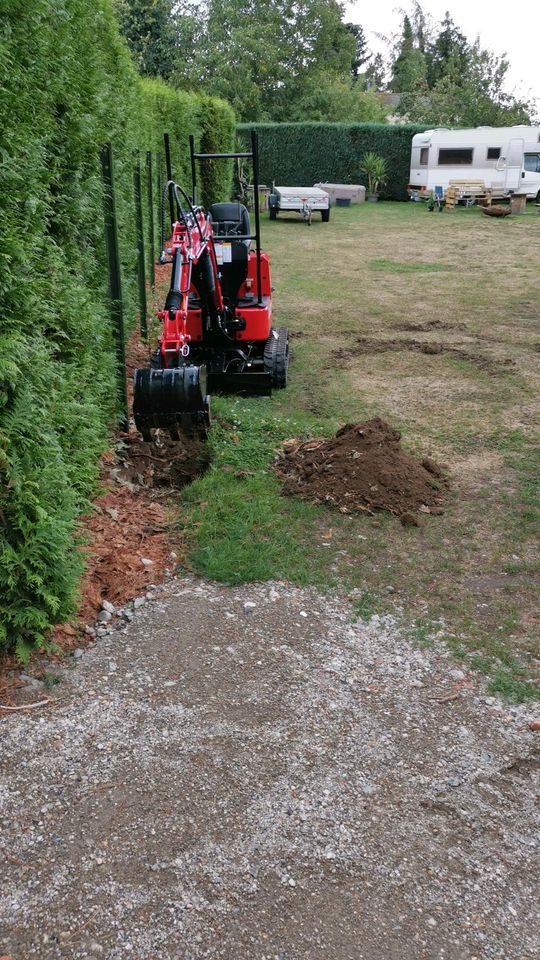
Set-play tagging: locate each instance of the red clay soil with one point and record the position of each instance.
(130, 530)
(362, 468)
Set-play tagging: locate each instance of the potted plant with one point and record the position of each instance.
(376, 171)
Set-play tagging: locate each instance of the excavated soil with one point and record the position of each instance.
(128, 532)
(363, 468)
(368, 345)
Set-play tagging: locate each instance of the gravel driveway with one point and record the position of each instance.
(269, 782)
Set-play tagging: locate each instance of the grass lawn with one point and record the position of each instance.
(435, 320)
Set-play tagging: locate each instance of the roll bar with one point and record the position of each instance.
(252, 155)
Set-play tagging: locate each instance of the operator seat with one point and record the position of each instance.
(230, 220)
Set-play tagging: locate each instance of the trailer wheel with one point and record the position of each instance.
(276, 357)
(272, 211)
(325, 215)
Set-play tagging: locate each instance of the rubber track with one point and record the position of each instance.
(276, 360)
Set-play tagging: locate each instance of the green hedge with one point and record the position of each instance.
(68, 86)
(210, 120)
(307, 153)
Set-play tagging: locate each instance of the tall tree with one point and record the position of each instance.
(409, 68)
(447, 80)
(361, 52)
(263, 55)
(148, 27)
(447, 53)
(470, 97)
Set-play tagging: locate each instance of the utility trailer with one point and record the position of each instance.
(506, 160)
(304, 200)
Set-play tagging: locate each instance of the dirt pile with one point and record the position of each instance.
(362, 468)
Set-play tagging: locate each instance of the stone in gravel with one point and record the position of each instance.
(534, 725)
(139, 602)
(35, 684)
(457, 674)
(89, 630)
(77, 654)
(104, 616)
(249, 606)
(108, 606)
(146, 562)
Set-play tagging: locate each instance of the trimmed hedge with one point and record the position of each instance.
(307, 153)
(68, 86)
(212, 123)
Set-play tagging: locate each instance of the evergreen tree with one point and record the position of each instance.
(361, 52)
(448, 52)
(409, 69)
(468, 97)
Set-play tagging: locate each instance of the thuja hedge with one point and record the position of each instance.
(307, 153)
(68, 86)
(209, 120)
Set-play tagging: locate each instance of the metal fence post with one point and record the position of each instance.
(161, 207)
(167, 144)
(141, 271)
(151, 224)
(115, 281)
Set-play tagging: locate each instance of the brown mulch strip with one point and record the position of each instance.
(130, 535)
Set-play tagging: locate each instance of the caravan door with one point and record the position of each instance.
(514, 164)
(530, 175)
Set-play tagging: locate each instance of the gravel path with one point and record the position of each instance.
(268, 782)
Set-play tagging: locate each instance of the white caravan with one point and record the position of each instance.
(505, 159)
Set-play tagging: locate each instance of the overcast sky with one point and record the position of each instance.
(512, 30)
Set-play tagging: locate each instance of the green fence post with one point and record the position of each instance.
(141, 271)
(115, 281)
(151, 224)
(167, 145)
(161, 206)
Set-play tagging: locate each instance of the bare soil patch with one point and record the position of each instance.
(363, 468)
(371, 345)
(430, 325)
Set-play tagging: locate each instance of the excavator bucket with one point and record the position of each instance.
(174, 399)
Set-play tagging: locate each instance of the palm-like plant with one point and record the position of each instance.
(376, 171)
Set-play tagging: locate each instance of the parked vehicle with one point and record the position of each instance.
(304, 200)
(505, 159)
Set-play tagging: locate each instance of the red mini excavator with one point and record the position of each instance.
(217, 329)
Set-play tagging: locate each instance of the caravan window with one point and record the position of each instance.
(424, 151)
(455, 157)
(493, 153)
(531, 162)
